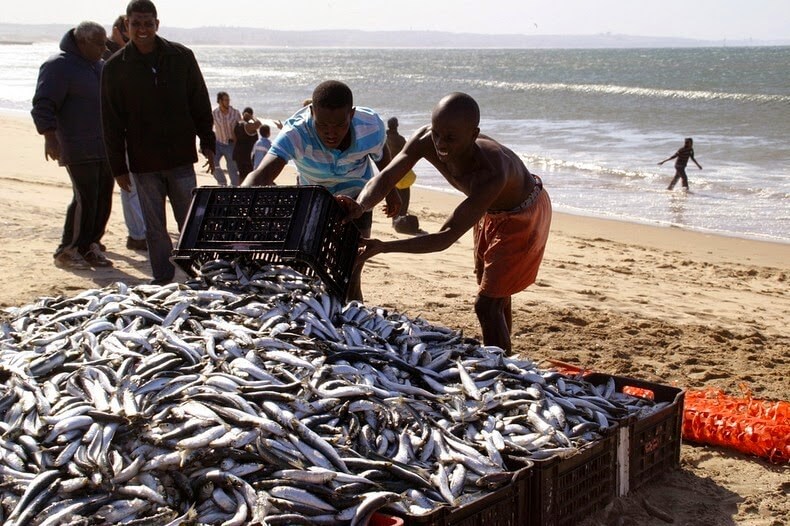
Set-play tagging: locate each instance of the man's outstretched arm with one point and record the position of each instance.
(266, 172)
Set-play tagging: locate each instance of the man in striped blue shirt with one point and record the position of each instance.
(335, 145)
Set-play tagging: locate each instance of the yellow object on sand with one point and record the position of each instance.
(407, 180)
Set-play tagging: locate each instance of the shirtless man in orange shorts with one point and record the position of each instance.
(505, 204)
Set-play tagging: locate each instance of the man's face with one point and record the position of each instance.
(142, 28)
(93, 48)
(224, 102)
(332, 125)
(451, 136)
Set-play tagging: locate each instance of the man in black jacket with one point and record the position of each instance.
(154, 103)
(66, 112)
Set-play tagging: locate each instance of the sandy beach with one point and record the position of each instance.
(660, 304)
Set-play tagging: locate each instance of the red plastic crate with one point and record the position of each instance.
(380, 519)
(299, 226)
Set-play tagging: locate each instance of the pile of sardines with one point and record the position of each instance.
(251, 395)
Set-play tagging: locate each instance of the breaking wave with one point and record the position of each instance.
(606, 89)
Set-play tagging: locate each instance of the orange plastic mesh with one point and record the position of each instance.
(757, 427)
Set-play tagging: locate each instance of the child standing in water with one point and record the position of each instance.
(682, 157)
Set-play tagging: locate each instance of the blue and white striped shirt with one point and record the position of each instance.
(341, 172)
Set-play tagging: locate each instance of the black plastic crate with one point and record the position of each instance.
(648, 447)
(506, 506)
(299, 226)
(565, 491)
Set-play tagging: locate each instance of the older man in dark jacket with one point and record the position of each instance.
(154, 103)
(66, 111)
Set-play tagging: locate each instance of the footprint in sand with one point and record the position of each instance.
(573, 320)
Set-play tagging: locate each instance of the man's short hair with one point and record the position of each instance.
(89, 30)
(221, 95)
(333, 94)
(392, 123)
(248, 110)
(264, 130)
(140, 6)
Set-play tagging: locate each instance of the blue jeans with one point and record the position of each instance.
(153, 189)
(132, 213)
(225, 150)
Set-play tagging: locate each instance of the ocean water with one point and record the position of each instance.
(593, 123)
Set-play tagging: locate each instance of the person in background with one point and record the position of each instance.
(261, 146)
(246, 133)
(154, 103)
(395, 143)
(334, 144)
(130, 202)
(682, 157)
(118, 37)
(505, 204)
(225, 119)
(66, 111)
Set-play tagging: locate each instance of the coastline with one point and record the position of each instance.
(559, 210)
(665, 305)
(770, 252)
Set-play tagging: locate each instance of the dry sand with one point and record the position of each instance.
(660, 304)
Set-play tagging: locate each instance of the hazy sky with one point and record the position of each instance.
(703, 19)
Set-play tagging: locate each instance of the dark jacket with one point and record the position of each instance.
(154, 113)
(242, 150)
(67, 100)
(112, 48)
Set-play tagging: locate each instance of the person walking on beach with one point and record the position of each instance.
(403, 222)
(505, 204)
(66, 111)
(334, 144)
(682, 157)
(154, 103)
(225, 119)
(130, 202)
(246, 133)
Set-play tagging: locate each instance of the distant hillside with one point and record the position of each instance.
(15, 33)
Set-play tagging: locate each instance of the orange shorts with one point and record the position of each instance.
(509, 247)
